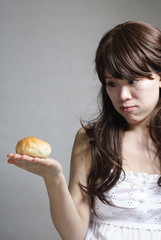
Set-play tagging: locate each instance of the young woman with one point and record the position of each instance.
(114, 189)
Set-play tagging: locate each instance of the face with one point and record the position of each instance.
(134, 99)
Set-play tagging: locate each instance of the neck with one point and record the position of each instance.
(140, 127)
(141, 132)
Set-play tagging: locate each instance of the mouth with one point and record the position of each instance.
(127, 108)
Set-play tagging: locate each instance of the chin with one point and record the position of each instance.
(135, 122)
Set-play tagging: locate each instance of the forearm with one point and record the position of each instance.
(63, 211)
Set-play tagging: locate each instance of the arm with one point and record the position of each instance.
(70, 209)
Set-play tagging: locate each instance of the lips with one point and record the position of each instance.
(127, 108)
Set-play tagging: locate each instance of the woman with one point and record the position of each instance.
(114, 190)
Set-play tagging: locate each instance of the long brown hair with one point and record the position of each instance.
(128, 51)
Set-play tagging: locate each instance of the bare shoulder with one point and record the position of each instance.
(82, 138)
(81, 153)
(80, 159)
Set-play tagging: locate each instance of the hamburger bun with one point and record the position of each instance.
(33, 147)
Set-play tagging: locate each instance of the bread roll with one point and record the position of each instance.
(33, 147)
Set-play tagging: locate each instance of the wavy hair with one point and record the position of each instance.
(130, 50)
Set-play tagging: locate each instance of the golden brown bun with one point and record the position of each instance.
(34, 147)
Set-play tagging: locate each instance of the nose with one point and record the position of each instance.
(125, 93)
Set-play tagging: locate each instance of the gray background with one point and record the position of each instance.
(48, 83)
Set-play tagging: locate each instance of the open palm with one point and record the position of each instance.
(44, 167)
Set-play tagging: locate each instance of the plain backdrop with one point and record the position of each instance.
(47, 84)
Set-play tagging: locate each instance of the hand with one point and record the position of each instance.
(46, 168)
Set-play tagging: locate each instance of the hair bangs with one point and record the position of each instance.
(130, 50)
(125, 59)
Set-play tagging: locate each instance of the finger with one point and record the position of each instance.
(20, 165)
(13, 158)
(14, 155)
(19, 157)
(21, 161)
(10, 155)
(27, 161)
(10, 161)
(26, 157)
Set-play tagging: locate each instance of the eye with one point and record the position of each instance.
(111, 84)
(133, 81)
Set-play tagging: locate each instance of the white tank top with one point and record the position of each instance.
(137, 214)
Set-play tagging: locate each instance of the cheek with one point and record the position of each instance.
(149, 95)
(112, 96)
(145, 91)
